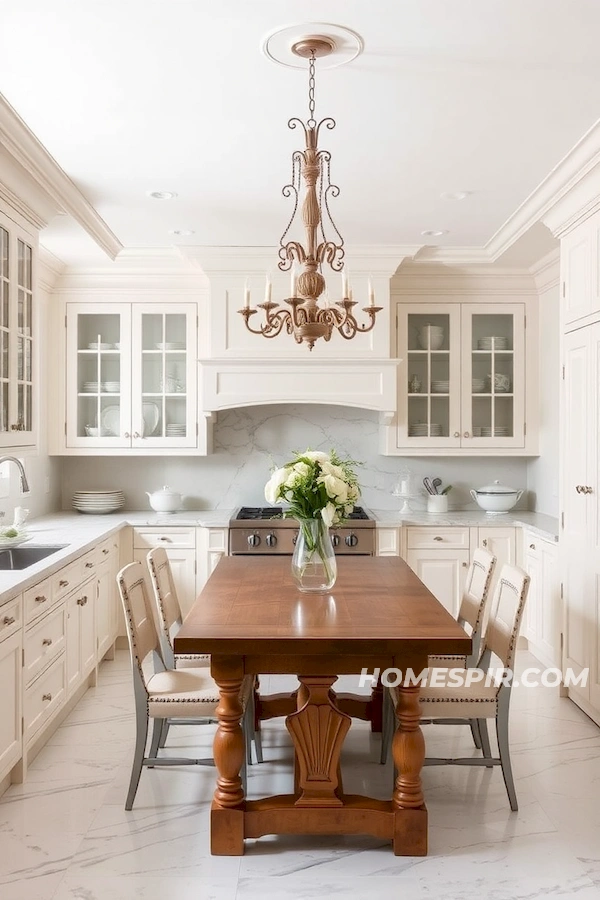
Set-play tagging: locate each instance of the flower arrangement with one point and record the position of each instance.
(315, 484)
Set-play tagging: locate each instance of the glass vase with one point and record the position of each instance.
(314, 567)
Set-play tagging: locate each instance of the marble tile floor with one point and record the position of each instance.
(64, 834)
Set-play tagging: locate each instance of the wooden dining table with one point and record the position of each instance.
(253, 620)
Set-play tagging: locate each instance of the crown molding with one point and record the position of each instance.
(452, 256)
(49, 269)
(546, 271)
(545, 201)
(23, 209)
(26, 150)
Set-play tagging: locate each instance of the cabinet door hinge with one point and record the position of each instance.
(195, 567)
(196, 429)
(562, 520)
(524, 428)
(564, 283)
(65, 321)
(563, 373)
(561, 592)
(525, 322)
(23, 657)
(22, 724)
(65, 429)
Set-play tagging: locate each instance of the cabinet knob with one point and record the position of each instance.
(105, 551)
(46, 696)
(41, 598)
(457, 434)
(465, 565)
(588, 489)
(164, 538)
(136, 434)
(484, 542)
(532, 546)
(8, 620)
(127, 435)
(62, 583)
(89, 565)
(46, 642)
(579, 488)
(466, 434)
(438, 538)
(81, 601)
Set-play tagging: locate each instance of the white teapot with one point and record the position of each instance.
(165, 500)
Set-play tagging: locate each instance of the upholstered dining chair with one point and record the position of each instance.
(169, 619)
(488, 698)
(181, 697)
(472, 614)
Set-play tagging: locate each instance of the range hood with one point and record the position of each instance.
(360, 383)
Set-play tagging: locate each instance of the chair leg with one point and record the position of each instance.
(164, 734)
(504, 753)
(258, 745)
(387, 726)
(157, 729)
(475, 732)
(485, 740)
(141, 717)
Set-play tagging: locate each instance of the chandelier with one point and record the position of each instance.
(308, 317)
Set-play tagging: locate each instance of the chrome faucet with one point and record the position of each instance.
(19, 465)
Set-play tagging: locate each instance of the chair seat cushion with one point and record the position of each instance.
(192, 661)
(473, 701)
(187, 693)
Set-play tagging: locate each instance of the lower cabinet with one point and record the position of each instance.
(211, 546)
(11, 647)
(81, 634)
(180, 545)
(443, 572)
(543, 613)
(501, 541)
(107, 600)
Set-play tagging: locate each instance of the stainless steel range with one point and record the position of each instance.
(262, 531)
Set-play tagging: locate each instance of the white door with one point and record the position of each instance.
(576, 506)
(593, 500)
(164, 382)
(493, 376)
(10, 702)
(183, 567)
(98, 376)
(429, 373)
(443, 572)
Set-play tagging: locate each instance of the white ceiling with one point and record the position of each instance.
(137, 95)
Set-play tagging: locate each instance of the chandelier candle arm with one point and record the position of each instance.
(308, 321)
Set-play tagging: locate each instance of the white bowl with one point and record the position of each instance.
(496, 501)
(92, 431)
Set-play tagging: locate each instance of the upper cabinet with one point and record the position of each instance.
(131, 378)
(17, 335)
(463, 380)
(580, 270)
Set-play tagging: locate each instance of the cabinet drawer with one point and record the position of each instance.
(11, 617)
(147, 538)
(43, 642)
(67, 579)
(37, 600)
(431, 537)
(531, 545)
(45, 696)
(104, 550)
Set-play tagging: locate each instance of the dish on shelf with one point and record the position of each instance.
(171, 345)
(440, 387)
(420, 429)
(110, 418)
(151, 417)
(91, 387)
(492, 343)
(102, 346)
(92, 430)
(112, 387)
(478, 385)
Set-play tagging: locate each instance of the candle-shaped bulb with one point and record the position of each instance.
(246, 296)
(268, 289)
(371, 294)
(293, 282)
(344, 285)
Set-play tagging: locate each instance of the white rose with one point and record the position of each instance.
(329, 469)
(348, 508)
(274, 483)
(302, 469)
(336, 489)
(353, 493)
(317, 455)
(328, 514)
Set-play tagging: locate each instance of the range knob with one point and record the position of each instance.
(271, 540)
(335, 540)
(253, 540)
(351, 540)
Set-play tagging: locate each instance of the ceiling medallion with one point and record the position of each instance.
(312, 315)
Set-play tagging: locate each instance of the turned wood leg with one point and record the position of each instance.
(318, 730)
(408, 749)
(377, 707)
(227, 814)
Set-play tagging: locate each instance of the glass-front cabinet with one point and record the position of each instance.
(462, 376)
(17, 335)
(131, 376)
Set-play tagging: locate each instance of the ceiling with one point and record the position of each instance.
(132, 96)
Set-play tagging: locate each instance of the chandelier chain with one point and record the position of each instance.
(311, 91)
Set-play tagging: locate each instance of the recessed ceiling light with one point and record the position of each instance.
(430, 233)
(455, 195)
(161, 195)
(181, 231)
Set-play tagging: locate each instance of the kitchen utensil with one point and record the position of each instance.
(165, 500)
(437, 482)
(429, 485)
(496, 498)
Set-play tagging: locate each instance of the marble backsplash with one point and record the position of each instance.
(249, 441)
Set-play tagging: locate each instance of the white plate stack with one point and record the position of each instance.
(440, 387)
(492, 343)
(91, 387)
(420, 429)
(478, 385)
(175, 430)
(98, 502)
(486, 431)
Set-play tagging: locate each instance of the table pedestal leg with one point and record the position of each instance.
(408, 748)
(227, 813)
(318, 730)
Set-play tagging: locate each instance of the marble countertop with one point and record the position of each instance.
(77, 533)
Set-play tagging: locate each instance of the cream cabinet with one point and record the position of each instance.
(81, 634)
(107, 600)
(388, 541)
(580, 538)
(463, 380)
(212, 545)
(180, 545)
(17, 335)
(11, 648)
(501, 541)
(131, 378)
(580, 271)
(440, 557)
(542, 614)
